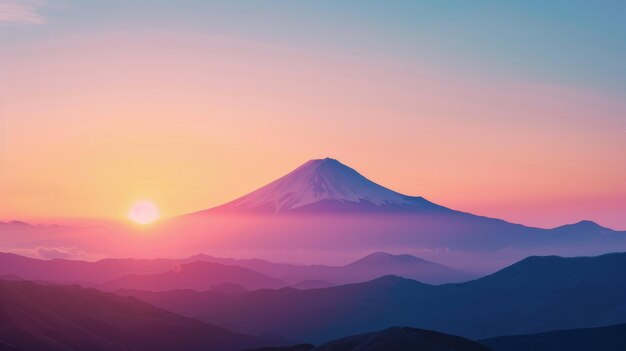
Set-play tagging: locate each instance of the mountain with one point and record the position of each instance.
(299, 347)
(75, 271)
(611, 338)
(379, 264)
(396, 339)
(52, 317)
(324, 203)
(534, 295)
(185, 302)
(196, 276)
(367, 268)
(311, 284)
(402, 339)
(94, 274)
(550, 272)
(316, 315)
(325, 186)
(229, 289)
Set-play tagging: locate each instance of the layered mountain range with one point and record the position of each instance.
(324, 203)
(323, 212)
(202, 272)
(534, 295)
(49, 317)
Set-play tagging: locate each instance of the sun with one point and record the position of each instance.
(143, 212)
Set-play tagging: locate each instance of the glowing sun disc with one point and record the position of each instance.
(143, 212)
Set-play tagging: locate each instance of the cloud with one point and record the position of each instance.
(46, 253)
(21, 12)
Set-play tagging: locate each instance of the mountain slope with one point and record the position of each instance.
(37, 317)
(324, 186)
(395, 338)
(611, 338)
(367, 268)
(402, 339)
(324, 202)
(107, 270)
(64, 270)
(316, 315)
(534, 295)
(196, 276)
(381, 263)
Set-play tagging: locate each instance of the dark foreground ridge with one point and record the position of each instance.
(53, 317)
(611, 338)
(396, 339)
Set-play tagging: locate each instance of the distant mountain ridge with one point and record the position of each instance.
(534, 295)
(196, 276)
(322, 204)
(325, 201)
(366, 268)
(274, 274)
(76, 271)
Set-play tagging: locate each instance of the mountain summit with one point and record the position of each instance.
(325, 185)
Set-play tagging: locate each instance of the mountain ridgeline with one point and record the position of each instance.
(50, 317)
(395, 338)
(537, 294)
(205, 302)
(610, 338)
(203, 272)
(321, 204)
(324, 201)
(325, 186)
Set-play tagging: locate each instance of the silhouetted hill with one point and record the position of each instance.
(534, 295)
(545, 271)
(611, 338)
(402, 339)
(53, 317)
(583, 226)
(300, 347)
(196, 276)
(396, 339)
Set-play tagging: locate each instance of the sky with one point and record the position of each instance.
(515, 110)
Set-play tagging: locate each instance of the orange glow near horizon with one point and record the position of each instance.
(93, 122)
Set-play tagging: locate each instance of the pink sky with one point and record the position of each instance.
(93, 122)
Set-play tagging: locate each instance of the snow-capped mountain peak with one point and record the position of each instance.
(324, 185)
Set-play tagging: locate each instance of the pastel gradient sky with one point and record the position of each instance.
(514, 110)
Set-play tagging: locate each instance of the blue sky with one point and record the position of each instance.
(579, 43)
